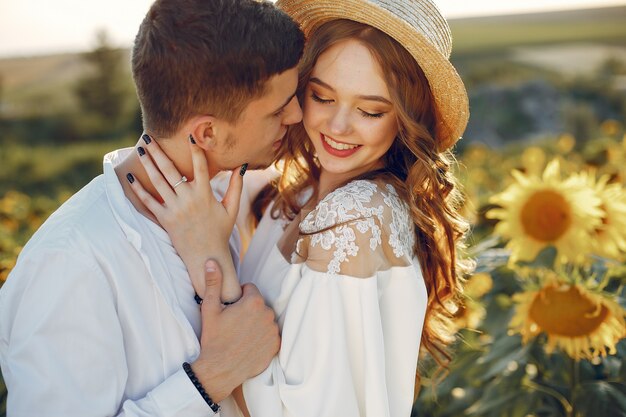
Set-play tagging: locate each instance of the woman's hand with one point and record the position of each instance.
(198, 224)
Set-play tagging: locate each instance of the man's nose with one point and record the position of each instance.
(293, 112)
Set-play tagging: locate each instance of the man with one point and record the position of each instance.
(98, 316)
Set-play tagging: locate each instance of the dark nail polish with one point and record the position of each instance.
(193, 142)
(146, 138)
(130, 178)
(141, 151)
(243, 169)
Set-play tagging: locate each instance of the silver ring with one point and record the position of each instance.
(183, 179)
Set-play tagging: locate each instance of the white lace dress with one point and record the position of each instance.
(350, 305)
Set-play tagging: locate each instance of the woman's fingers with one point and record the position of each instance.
(233, 194)
(201, 178)
(200, 166)
(145, 197)
(162, 162)
(161, 183)
(197, 197)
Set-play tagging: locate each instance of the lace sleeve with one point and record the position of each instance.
(357, 230)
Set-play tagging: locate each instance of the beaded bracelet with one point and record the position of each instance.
(196, 383)
(199, 300)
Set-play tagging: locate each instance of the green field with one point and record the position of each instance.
(52, 169)
(606, 25)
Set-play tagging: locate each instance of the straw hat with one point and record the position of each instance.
(418, 26)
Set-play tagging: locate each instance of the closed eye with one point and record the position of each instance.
(315, 97)
(371, 115)
(318, 99)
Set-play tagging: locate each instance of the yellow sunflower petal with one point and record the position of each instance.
(609, 237)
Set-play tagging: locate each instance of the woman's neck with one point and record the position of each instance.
(328, 183)
(331, 181)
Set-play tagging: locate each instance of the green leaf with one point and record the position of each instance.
(490, 402)
(545, 259)
(504, 351)
(601, 398)
(489, 242)
(492, 259)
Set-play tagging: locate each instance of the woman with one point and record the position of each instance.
(357, 250)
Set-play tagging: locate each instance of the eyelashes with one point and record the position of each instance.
(365, 114)
(372, 115)
(315, 97)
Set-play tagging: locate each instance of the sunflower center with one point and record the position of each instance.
(566, 312)
(546, 216)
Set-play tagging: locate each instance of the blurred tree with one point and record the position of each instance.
(612, 67)
(1, 96)
(102, 92)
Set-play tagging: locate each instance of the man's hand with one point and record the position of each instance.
(237, 341)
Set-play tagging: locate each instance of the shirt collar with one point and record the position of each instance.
(120, 205)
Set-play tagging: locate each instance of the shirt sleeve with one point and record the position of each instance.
(353, 318)
(62, 348)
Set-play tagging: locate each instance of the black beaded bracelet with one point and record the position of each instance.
(196, 383)
(199, 300)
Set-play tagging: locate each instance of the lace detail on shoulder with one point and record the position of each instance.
(342, 205)
(402, 231)
(353, 215)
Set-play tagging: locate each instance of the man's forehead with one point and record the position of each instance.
(284, 83)
(278, 89)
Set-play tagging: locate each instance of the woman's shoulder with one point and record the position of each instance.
(357, 200)
(358, 229)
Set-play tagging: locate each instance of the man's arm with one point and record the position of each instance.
(63, 354)
(238, 341)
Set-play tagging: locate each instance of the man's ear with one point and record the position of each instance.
(205, 132)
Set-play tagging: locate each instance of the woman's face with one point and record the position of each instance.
(348, 113)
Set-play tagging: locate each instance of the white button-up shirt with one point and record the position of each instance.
(90, 323)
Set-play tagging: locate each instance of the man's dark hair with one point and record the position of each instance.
(195, 57)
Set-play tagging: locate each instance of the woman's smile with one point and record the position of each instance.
(336, 148)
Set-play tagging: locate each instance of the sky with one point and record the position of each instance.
(35, 27)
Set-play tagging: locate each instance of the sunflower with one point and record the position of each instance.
(583, 322)
(609, 238)
(536, 212)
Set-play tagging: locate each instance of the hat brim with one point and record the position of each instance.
(448, 90)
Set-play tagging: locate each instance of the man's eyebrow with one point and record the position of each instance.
(284, 105)
(362, 97)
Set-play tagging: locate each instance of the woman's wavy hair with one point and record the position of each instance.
(420, 173)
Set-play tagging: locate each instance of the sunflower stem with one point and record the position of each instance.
(574, 380)
(552, 392)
